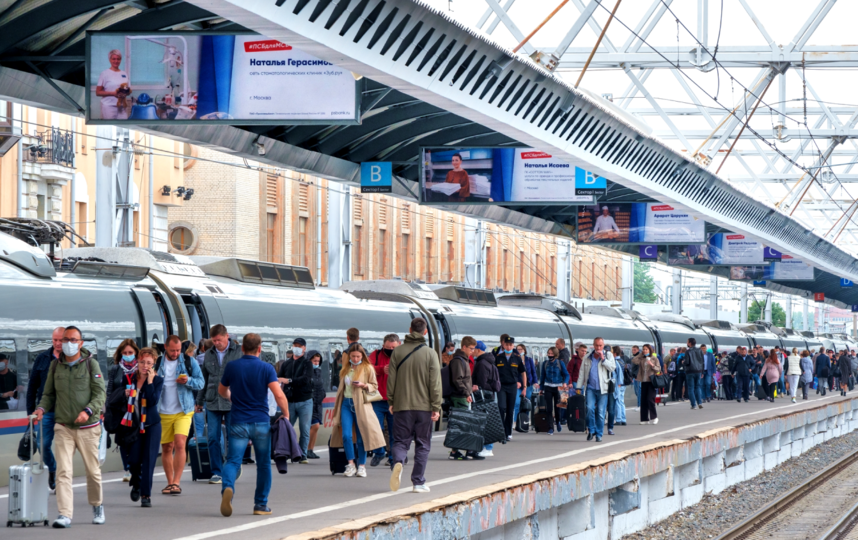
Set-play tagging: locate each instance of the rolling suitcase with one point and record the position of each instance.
(576, 413)
(28, 489)
(337, 458)
(198, 449)
(522, 423)
(542, 419)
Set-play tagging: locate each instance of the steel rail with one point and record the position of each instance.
(748, 526)
(843, 527)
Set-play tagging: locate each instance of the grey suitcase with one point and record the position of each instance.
(28, 489)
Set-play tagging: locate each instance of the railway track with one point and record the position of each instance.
(805, 511)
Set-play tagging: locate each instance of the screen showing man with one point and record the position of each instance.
(606, 228)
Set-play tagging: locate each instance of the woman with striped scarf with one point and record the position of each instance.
(140, 431)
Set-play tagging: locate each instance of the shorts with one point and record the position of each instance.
(316, 420)
(175, 424)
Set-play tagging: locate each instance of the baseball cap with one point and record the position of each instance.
(300, 341)
(481, 346)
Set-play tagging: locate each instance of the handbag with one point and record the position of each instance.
(25, 446)
(102, 447)
(465, 430)
(564, 400)
(372, 397)
(494, 430)
(660, 381)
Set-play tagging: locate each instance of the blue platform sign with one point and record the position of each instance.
(759, 283)
(845, 283)
(376, 177)
(587, 183)
(648, 252)
(854, 308)
(770, 254)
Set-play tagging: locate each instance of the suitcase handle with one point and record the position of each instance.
(39, 466)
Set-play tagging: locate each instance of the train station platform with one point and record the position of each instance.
(562, 485)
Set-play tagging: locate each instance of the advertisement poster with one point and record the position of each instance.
(788, 269)
(730, 249)
(228, 78)
(637, 223)
(497, 175)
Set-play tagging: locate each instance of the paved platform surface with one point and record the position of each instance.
(308, 498)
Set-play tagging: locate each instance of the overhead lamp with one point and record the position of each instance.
(165, 191)
(180, 191)
(188, 194)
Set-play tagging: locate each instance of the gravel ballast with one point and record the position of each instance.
(715, 514)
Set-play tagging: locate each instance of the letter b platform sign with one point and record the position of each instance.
(376, 177)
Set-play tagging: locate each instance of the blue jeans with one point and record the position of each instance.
(301, 412)
(199, 424)
(48, 430)
(694, 384)
(259, 434)
(757, 382)
(621, 405)
(781, 386)
(597, 402)
(518, 402)
(214, 419)
(348, 420)
(382, 411)
(707, 385)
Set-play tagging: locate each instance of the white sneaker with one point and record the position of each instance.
(62, 522)
(486, 453)
(422, 488)
(637, 409)
(351, 470)
(644, 422)
(396, 477)
(127, 476)
(361, 471)
(793, 400)
(98, 515)
(654, 421)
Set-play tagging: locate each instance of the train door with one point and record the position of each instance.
(152, 318)
(444, 328)
(330, 368)
(16, 361)
(197, 317)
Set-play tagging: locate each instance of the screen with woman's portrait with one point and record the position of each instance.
(225, 78)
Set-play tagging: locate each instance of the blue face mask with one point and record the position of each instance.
(127, 359)
(508, 353)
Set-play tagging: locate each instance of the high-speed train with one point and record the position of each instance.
(116, 293)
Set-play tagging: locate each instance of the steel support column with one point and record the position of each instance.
(628, 282)
(713, 298)
(474, 245)
(788, 312)
(806, 318)
(768, 313)
(676, 292)
(743, 309)
(105, 186)
(339, 235)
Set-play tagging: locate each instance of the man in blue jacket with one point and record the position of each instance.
(709, 363)
(38, 376)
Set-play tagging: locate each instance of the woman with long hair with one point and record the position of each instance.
(355, 424)
(771, 374)
(648, 365)
(124, 361)
(806, 373)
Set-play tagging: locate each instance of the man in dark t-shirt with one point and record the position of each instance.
(8, 382)
(246, 383)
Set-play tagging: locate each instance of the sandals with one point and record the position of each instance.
(172, 489)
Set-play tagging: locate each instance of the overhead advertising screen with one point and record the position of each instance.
(202, 78)
(721, 249)
(498, 175)
(788, 269)
(638, 223)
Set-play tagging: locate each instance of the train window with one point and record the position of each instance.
(112, 345)
(166, 323)
(332, 364)
(35, 347)
(13, 380)
(270, 353)
(197, 317)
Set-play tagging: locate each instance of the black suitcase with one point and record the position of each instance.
(522, 423)
(542, 421)
(337, 459)
(576, 413)
(201, 467)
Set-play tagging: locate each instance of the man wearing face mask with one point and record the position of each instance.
(380, 360)
(217, 409)
(596, 371)
(75, 391)
(38, 376)
(318, 399)
(513, 379)
(297, 381)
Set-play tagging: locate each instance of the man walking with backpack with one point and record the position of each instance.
(414, 395)
(461, 387)
(694, 367)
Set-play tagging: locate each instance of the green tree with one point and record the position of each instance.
(756, 312)
(644, 286)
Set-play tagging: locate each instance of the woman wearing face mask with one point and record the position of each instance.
(318, 398)
(355, 422)
(124, 362)
(139, 434)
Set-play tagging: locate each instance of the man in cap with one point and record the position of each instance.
(513, 379)
(605, 222)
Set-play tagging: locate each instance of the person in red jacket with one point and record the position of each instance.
(380, 360)
(574, 364)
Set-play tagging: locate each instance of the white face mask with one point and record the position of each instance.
(297, 351)
(70, 349)
(2, 366)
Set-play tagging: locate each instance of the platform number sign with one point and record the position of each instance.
(845, 283)
(854, 308)
(587, 183)
(376, 177)
(819, 297)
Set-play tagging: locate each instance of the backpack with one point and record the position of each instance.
(447, 379)
(671, 369)
(627, 374)
(187, 364)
